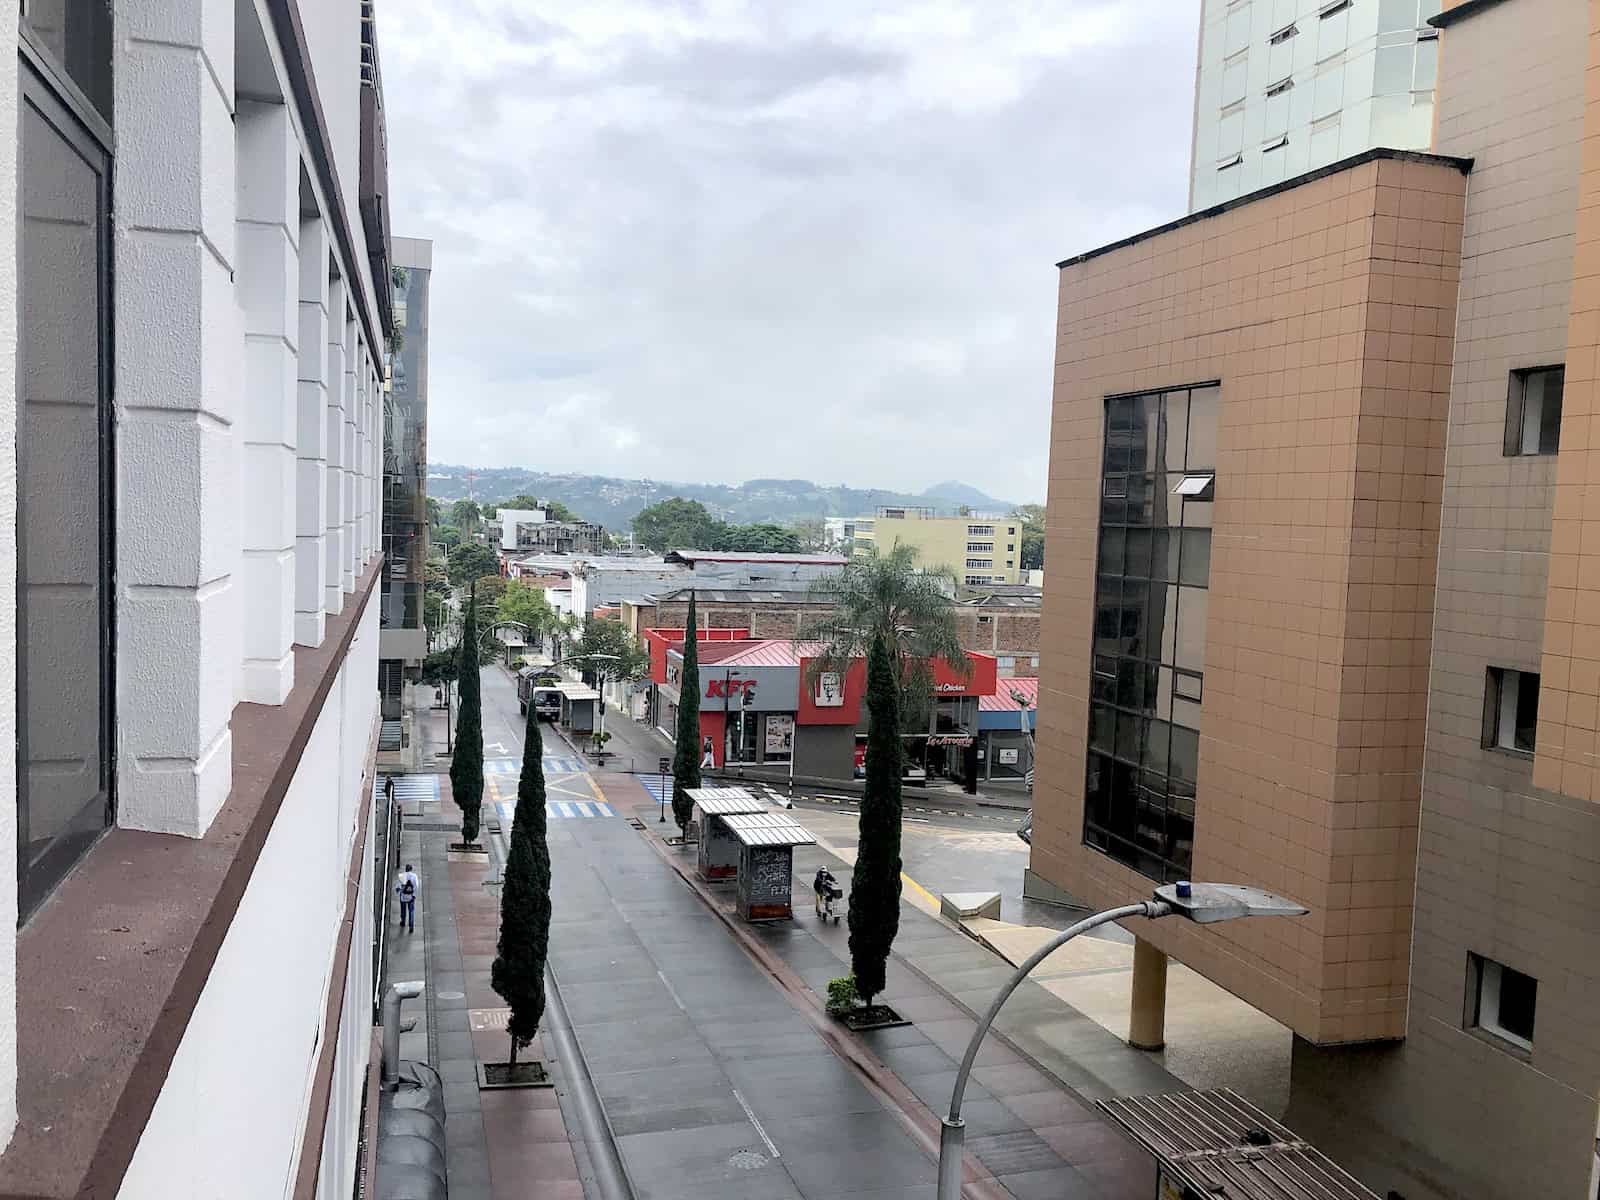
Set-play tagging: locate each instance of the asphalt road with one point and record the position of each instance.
(943, 850)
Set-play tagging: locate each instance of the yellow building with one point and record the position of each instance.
(978, 549)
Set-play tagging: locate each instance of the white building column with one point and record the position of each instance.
(178, 335)
(268, 279)
(364, 459)
(311, 438)
(333, 422)
(347, 458)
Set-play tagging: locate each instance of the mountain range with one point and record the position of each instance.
(615, 502)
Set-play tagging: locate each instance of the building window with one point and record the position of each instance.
(1511, 710)
(1151, 601)
(65, 669)
(1501, 1001)
(972, 580)
(1283, 35)
(980, 547)
(980, 564)
(1533, 410)
(980, 531)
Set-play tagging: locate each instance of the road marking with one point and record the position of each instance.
(673, 992)
(747, 1112)
(927, 896)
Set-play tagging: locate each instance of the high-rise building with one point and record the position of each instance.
(402, 636)
(1287, 86)
(1324, 613)
(193, 316)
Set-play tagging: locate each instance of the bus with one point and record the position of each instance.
(541, 688)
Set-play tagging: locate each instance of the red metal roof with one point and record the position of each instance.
(1001, 701)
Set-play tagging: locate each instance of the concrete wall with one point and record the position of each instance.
(230, 482)
(8, 576)
(230, 1120)
(1325, 311)
(1505, 868)
(821, 749)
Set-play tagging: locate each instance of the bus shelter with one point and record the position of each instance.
(718, 857)
(766, 862)
(1216, 1145)
(579, 706)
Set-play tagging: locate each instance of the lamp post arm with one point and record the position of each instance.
(1145, 908)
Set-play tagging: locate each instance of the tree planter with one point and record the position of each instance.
(870, 1016)
(498, 1076)
(468, 848)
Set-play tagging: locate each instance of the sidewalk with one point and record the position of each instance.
(1028, 1108)
(498, 1143)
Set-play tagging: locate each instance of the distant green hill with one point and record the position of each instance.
(614, 502)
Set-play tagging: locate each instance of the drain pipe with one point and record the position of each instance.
(408, 990)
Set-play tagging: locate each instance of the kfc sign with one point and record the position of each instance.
(730, 689)
(946, 688)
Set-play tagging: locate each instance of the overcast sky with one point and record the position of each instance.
(730, 239)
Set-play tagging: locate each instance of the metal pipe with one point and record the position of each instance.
(407, 990)
(952, 1132)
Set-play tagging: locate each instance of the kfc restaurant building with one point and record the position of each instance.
(757, 710)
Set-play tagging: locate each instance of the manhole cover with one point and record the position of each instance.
(451, 995)
(748, 1160)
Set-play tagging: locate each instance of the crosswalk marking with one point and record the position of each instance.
(559, 810)
(554, 764)
(409, 787)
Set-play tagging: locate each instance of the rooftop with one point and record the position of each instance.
(1025, 686)
(741, 556)
(797, 595)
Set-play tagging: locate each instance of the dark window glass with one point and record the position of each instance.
(64, 462)
(1518, 995)
(76, 36)
(1533, 410)
(1511, 710)
(1150, 617)
(1137, 553)
(1527, 712)
(1111, 551)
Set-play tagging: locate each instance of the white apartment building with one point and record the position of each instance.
(1287, 86)
(192, 334)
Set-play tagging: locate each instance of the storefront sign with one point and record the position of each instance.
(830, 690)
(1008, 756)
(949, 688)
(957, 740)
(730, 689)
(780, 733)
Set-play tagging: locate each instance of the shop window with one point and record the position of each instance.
(1151, 593)
(1533, 410)
(1501, 1001)
(1511, 710)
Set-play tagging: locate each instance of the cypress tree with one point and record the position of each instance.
(875, 884)
(466, 764)
(686, 755)
(518, 972)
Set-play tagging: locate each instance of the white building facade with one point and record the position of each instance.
(1287, 86)
(192, 338)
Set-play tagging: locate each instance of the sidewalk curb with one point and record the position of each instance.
(918, 1119)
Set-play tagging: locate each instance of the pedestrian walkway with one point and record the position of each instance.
(1029, 1106)
(559, 810)
(409, 788)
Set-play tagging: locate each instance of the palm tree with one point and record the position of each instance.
(886, 595)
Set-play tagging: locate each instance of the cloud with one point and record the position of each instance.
(726, 239)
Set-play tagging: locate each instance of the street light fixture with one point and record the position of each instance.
(1202, 903)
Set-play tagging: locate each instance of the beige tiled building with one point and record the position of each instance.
(1345, 644)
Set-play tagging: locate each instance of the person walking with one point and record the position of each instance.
(388, 789)
(408, 888)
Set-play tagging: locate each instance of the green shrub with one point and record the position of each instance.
(842, 996)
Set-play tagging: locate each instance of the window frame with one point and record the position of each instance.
(43, 84)
(1485, 982)
(1516, 409)
(1494, 711)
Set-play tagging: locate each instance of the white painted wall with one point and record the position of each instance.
(8, 576)
(230, 1118)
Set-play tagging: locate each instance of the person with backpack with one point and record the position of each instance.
(408, 888)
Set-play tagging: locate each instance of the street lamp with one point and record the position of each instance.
(1202, 903)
